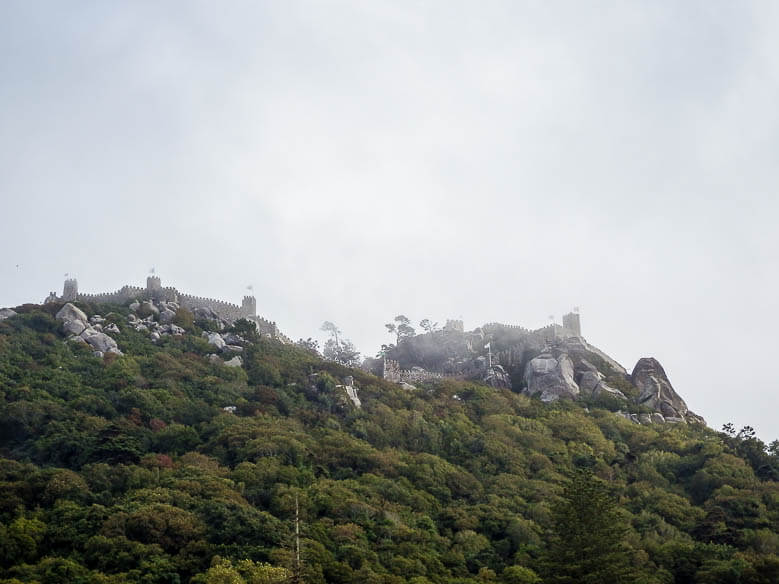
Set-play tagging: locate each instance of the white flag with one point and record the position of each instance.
(487, 346)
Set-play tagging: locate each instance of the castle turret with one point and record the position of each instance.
(153, 283)
(70, 290)
(454, 326)
(572, 325)
(249, 307)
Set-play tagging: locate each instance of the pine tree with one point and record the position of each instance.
(587, 546)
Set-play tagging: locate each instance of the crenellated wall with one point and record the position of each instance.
(393, 372)
(227, 311)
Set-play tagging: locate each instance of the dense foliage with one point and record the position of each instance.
(127, 469)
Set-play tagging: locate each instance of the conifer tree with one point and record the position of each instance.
(586, 546)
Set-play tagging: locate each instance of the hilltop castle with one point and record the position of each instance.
(154, 290)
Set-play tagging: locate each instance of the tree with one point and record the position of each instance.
(519, 575)
(331, 329)
(401, 328)
(429, 326)
(344, 352)
(309, 344)
(586, 546)
(337, 349)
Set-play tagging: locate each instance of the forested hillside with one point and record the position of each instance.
(128, 468)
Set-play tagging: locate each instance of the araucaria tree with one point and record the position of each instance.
(401, 328)
(339, 349)
(587, 540)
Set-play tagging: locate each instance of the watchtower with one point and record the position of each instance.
(249, 307)
(571, 324)
(454, 326)
(70, 290)
(153, 283)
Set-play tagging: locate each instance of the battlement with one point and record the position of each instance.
(227, 311)
(454, 325)
(393, 372)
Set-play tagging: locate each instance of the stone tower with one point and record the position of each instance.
(70, 290)
(572, 325)
(249, 307)
(153, 283)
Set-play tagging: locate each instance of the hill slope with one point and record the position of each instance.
(157, 462)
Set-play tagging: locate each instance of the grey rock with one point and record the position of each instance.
(234, 362)
(141, 328)
(101, 341)
(656, 390)
(234, 348)
(204, 313)
(74, 327)
(604, 388)
(6, 313)
(645, 419)
(155, 336)
(70, 312)
(585, 365)
(148, 309)
(216, 340)
(497, 377)
(407, 386)
(657, 418)
(98, 354)
(233, 339)
(589, 381)
(167, 315)
(134, 306)
(96, 319)
(112, 328)
(551, 377)
(351, 393)
(98, 327)
(176, 330)
(213, 358)
(694, 418)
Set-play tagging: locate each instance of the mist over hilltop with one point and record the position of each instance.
(354, 162)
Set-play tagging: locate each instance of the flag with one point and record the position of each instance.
(487, 346)
(250, 287)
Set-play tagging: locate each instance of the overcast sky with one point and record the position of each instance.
(495, 161)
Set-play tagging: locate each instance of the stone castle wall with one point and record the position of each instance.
(393, 372)
(227, 311)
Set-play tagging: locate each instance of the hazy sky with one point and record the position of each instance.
(498, 161)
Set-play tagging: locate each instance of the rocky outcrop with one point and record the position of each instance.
(350, 390)
(551, 377)
(216, 340)
(6, 313)
(70, 312)
(234, 362)
(76, 324)
(100, 341)
(656, 391)
(497, 377)
(592, 382)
